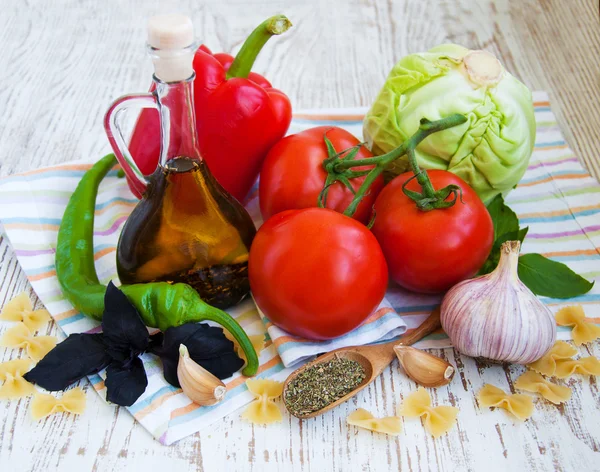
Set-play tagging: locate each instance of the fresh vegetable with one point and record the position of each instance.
(491, 150)
(430, 251)
(293, 175)
(316, 273)
(159, 304)
(342, 170)
(460, 220)
(123, 339)
(239, 115)
(541, 275)
(425, 369)
(202, 387)
(497, 317)
(207, 346)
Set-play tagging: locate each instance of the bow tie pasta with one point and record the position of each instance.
(20, 336)
(533, 382)
(583, 331)
(438, 420)
(263, 410)
(72, 401)
(11, 374)
(21, 309)
(363, 419)
(518, 404)
(546, 365)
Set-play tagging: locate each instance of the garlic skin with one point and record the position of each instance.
(197, 383)
(497, 317)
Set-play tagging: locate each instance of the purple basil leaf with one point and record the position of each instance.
(207, 346)
(124, 332)
(125, 383)
(71, 360)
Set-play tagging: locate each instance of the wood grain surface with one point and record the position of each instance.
(64, 61)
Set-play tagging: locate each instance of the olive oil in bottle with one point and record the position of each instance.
(186, 228)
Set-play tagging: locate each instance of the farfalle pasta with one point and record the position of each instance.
(263, 410)
(533, 382)
(518, 404)
(19, 336)
(582, 366)
(363, 419)
(13, 383)
(438, 420)
(546, 365)
(583, 330)
(72, 401)
(21, 309)
(257, 340)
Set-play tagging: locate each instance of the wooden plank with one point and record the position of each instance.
(63, 63)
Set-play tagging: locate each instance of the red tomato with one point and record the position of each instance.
(316, 273)
(432, 251)
(292, 175)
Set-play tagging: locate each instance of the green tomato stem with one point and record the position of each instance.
(244, 60)
(429, 199)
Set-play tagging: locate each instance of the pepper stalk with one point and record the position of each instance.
(244, 60)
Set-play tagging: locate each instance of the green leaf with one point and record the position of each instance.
(550, 278)
(494, 257)
(505, 220)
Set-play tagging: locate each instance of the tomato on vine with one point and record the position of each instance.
(293, 175)
(430, 251)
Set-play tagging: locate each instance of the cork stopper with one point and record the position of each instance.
(171, 39)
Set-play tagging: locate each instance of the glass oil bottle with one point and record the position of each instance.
(186, 228)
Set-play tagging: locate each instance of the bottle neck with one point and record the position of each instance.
(179, 137)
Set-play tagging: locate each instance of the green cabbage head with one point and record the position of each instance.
(490, 151)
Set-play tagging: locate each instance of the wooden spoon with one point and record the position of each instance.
(373, 360)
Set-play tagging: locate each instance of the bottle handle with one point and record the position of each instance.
(115, 135)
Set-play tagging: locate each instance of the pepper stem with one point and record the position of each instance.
(244, 60)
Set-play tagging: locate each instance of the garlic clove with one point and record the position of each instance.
(197, 383)
(424, 368)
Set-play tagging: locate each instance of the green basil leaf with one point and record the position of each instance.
(494, 257)
(505, 220)
(549, 278)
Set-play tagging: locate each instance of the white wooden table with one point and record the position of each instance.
(64, 61)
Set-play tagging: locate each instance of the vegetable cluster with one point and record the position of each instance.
(315, 267)
(490, 151)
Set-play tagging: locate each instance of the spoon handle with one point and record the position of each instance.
(381, 355)
(427, 327)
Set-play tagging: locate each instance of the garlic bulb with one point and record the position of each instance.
(197, 383)
(497, 317)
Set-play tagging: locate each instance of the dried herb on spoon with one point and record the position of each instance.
(118, 347)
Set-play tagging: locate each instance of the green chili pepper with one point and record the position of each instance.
(160, 304)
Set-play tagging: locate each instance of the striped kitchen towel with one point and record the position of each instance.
(557, 199)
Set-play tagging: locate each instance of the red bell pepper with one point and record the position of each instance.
(239, 115)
